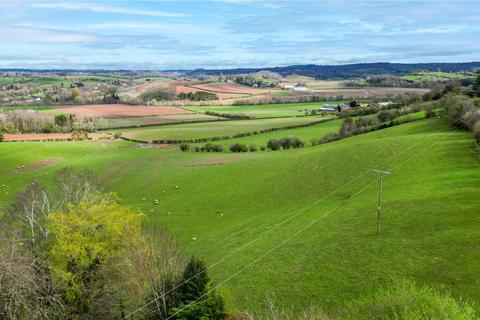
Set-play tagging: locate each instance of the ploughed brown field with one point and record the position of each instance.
(36, 136)
(45, 136)
(231, 88)
(220, 95)
(120, 110)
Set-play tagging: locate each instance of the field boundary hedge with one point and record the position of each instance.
(161, 124)
(239, 135)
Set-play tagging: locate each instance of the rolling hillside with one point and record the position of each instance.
(299, 224)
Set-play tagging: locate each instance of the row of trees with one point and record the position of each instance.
(169, 94)
(252, 81)
(73, 252)
(285, 143)
(197, 96)
(31, 121)
(463, 113)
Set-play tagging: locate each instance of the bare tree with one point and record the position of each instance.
(26, 289)
(74, 186)
(156, 264)
(30, 210)
(34, 205)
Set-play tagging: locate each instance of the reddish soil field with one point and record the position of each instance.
(37, 136)
(231, 88)
(220, 95)
(120, 110)
(45, 136)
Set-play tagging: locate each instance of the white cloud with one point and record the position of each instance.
(105, 9)
(44, 35)
(146, 26)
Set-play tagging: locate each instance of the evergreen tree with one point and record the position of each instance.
(211, 307)
(193, 281)
(476, 86)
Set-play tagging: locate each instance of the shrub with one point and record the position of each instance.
(406, 301)
(79, 135)
(291, 142)
(364, 122)
(347, 127)
(217, 148)
(329, 137)
(117, 135)
(238, 147)
(252, 148)
(429, 113)
(456, 107)
(262, 148)
(212, 148)
(185, 147)
(274, 144)
(1, 136)
(61, 120)
(476, 131)
(387, 115)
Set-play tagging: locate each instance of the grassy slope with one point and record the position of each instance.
(430, 225)
(305, 134)
(268, 110)
(33, 81)
(213, 129)
(107, 123)
(428, 77)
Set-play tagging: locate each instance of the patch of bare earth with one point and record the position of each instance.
(36, 165)
(209, 162)
(151, 145)
(121, 110)
(37, 137)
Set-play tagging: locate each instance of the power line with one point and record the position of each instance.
(300, 211)
(274, 248)
(381, 173)
(298, 232)
(276, 227)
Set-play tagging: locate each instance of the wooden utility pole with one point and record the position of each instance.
(381, 173)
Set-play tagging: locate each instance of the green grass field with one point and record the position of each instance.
(269, 110)
(238, 208)
(23, 107)
(427, 77)
(111, 123)
(306, 134)
(34, 81)
(213, 129)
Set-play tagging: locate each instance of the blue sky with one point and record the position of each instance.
(234, 33)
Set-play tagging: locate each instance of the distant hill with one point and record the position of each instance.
(346, 71)
(322, 72)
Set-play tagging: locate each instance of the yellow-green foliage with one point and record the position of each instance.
(87, 236)
(405, 301)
